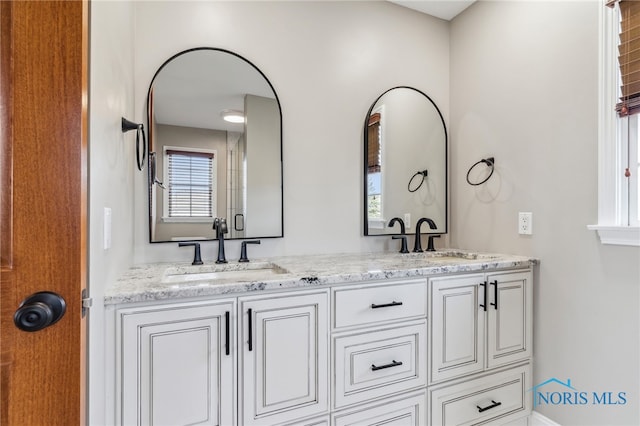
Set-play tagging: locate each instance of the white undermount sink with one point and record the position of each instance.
(451, 256)
(227, 272)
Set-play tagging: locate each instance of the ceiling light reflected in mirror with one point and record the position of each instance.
(232, 116)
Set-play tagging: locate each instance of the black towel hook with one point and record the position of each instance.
(490, 162)
(139, 128)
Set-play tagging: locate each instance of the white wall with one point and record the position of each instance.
(328, 62)
(111, 172)
(524, 79)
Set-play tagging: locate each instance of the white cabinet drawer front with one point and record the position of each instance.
(375, 303)
(405, 410)
(373, 364)
(502, 395)
(320, 421)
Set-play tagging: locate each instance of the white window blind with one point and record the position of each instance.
(190, 184)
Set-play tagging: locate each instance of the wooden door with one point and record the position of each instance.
(43, 94)
(457, 326)
(509, 319)
(284, 358)
(178, 364)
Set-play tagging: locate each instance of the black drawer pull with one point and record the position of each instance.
(486, 291)
(227, 337)
(386, 305)
(394, 363)
(495, 294)
(249, 312)
(494, 405)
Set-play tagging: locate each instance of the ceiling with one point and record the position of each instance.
(443, 9)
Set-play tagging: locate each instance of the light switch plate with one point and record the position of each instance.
(107, 228)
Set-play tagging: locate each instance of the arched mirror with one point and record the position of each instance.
(405, 162)
(215, 136)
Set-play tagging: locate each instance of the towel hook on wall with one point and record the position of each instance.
(141, 152)
(490, 162)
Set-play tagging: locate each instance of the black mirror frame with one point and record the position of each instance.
(152, 179)
(365, 159)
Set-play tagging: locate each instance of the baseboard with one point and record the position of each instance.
(537, 419)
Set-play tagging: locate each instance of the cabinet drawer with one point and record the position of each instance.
(373, 364)
(404, 410)
(500, 395)
(379, 303)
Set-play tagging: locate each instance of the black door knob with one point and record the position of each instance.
(39, 311)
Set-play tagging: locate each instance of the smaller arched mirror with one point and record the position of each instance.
(215, 132)
(405, 162)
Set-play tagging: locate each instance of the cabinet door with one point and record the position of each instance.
(283, 373)
(177, 365)
(509, 325)
(457, 326)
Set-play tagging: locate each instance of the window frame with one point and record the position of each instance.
(379, 222)
(214, 170)
(613, 204)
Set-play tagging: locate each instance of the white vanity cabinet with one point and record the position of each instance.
(480, 323)
(440, 349)
(284, 372)
(176, 364)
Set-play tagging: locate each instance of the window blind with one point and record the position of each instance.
(190, 183)
(373, 143)
(629, 56)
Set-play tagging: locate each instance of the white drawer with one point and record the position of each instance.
(404, 410)
(372, 304)
(502, 395)
(318, 421)
(373, 364)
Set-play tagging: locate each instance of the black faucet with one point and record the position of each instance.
(197, 260)
(220, 225)
(417, 247)
(243, 250)
(402, 236)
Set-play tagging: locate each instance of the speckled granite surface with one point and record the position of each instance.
(163, 281)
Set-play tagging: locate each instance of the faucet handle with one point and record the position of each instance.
(197, 260)
(430, 246)
(403, 247)
(243, 250)
(220, 225)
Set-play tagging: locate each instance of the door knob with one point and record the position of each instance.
(39, 311)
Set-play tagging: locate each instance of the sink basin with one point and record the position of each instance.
(461, 254)
(229, 272)
(451, 256)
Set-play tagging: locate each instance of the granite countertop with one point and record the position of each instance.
(167, 281)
